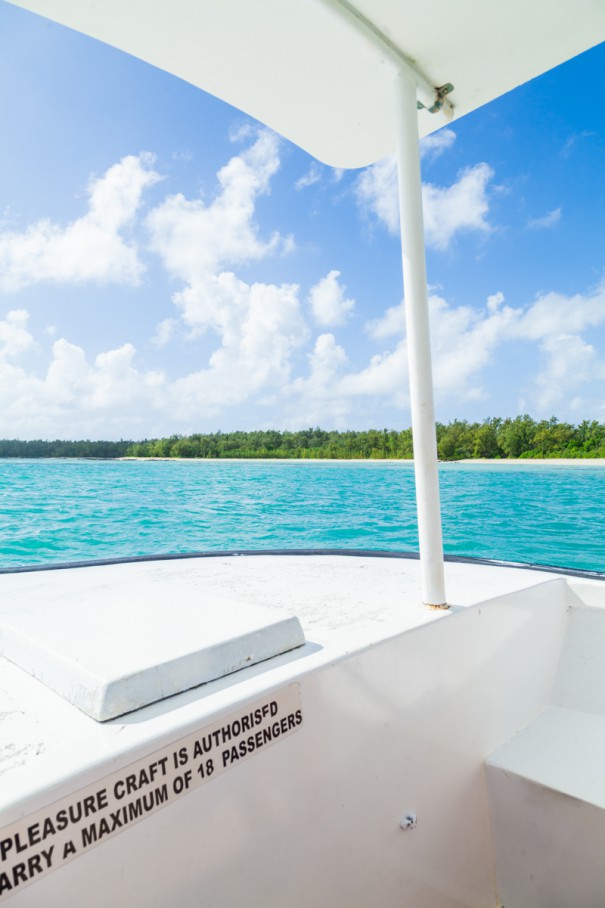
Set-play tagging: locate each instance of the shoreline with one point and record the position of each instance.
(536, 461)
(578, 462)
(479, 461)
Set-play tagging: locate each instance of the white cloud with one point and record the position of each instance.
(317, 396)
(384, 377)
(316, 173)
(14, 335)
(325, 362)
(433, 145)
(450, 210)
(554, 313)
(258, 331)
(457, 208)
(546, 222)
(163, 332)
(241, 131)
(330, 393)
(464, 341)
(377, 194)
(327, 356)
(312, 176)
(116, 380)
(569, 363)
(376, 187)
(91, 248)
(494, 301)
(77, 399)
(193, 238)
(259, 325)
(328, 302)
(68, 376)
(390, 323)
(113, 381)
(112, 396)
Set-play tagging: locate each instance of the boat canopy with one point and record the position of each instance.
(320, 72)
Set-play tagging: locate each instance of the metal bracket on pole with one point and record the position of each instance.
(440, 95)
(419, 343)
(430, 97)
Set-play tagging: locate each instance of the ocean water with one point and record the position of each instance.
(58, 511)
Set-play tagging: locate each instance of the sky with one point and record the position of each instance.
(170, 266)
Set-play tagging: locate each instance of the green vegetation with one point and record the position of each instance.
(102, 450)
(459, 440)
(520, 437)
(308, 444)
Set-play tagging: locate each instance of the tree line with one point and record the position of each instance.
(495, 437)
(98, 450)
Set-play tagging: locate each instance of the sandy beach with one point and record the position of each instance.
(481, 461)
(537, 462)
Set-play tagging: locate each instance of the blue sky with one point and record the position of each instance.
(168, 265)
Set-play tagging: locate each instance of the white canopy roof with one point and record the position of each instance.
(316, 73)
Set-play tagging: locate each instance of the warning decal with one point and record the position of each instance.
(47, 839)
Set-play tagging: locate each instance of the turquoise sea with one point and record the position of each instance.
(57, 511)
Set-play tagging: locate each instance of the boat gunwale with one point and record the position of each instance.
(351, 553)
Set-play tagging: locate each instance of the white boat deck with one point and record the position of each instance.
(388, 710)
(344, 604)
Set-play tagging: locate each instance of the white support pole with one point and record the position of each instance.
(419, 343)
